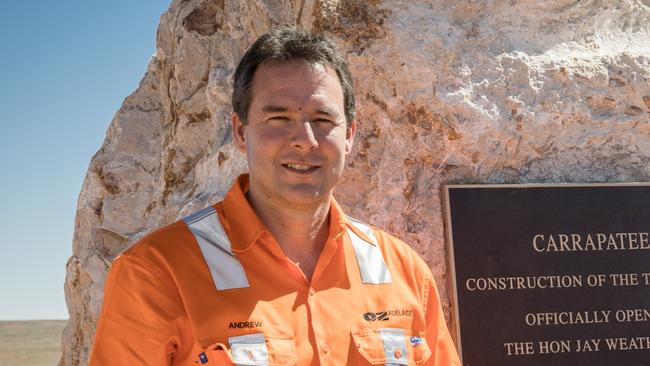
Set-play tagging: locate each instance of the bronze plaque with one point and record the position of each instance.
(551, 274)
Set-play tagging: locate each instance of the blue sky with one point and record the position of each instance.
(65, 67)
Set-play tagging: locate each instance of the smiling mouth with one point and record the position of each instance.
(301, 168)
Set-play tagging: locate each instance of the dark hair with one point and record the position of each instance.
(286, 45)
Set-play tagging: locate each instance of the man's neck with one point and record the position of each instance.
(301, 232)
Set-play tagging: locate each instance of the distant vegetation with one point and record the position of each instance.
(31, 343)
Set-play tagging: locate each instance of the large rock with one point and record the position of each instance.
(448, 91)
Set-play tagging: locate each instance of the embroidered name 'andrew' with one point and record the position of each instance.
(245, 325)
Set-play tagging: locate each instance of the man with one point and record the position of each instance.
(276, 273)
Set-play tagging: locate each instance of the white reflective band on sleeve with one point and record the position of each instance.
(394, 346)
(249, 349)
(371, 263)
(227, 272)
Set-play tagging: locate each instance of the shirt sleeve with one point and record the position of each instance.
(142, 321)
(443, 350)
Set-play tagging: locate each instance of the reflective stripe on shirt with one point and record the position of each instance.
(249, 349)
(227, 272)
(371, 262)
(395, 348)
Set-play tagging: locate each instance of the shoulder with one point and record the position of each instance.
(148, 260)
(165, 246)
(158, 241)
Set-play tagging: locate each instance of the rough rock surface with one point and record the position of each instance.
(448, 91)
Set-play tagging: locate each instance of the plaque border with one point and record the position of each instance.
(449, 240)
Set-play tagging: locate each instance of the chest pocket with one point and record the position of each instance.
(390, 346)
(250, 349)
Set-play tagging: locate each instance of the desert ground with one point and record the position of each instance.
(31, 342)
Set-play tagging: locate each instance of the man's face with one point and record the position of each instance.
(296, 138)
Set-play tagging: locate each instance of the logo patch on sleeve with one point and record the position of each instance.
(203, 358)
(416, 341)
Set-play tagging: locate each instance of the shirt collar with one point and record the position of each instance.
(245, 226)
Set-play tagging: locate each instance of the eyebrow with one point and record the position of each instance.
(274, 109)
(328, 111)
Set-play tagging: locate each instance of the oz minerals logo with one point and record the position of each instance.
(385, 315)
(380, 316)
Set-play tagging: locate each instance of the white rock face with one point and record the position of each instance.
(448, 91)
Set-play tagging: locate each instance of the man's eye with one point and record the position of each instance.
(324, 120)
(279, 118)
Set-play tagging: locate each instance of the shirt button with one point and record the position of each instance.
(312, 291)
(326, 348)
(398, 353)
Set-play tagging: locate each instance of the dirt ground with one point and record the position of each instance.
(31, 343)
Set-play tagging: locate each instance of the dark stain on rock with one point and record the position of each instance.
(170, 177)
(452, 134)
(473, 32)
(616, 82)
(176, 177)
(408, 190)
(416, 166)
(427, 122)
(109, 181)
(475, 157)
(633, 110)
(206, 19)
(601, 104)
(367, 142)
(151, 206)
(380, 103)
(414, 221)
(359, 21)
(221, 158)
(98, 209)
(72, 267)
(191, 192)
(198, 117)
(419, 116)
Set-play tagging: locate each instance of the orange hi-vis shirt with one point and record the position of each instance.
(216, 289)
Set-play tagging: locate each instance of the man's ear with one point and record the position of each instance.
(349, 136)
(238, 132)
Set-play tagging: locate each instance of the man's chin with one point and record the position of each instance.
(306, 195)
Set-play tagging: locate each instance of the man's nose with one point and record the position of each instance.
(304, 137)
